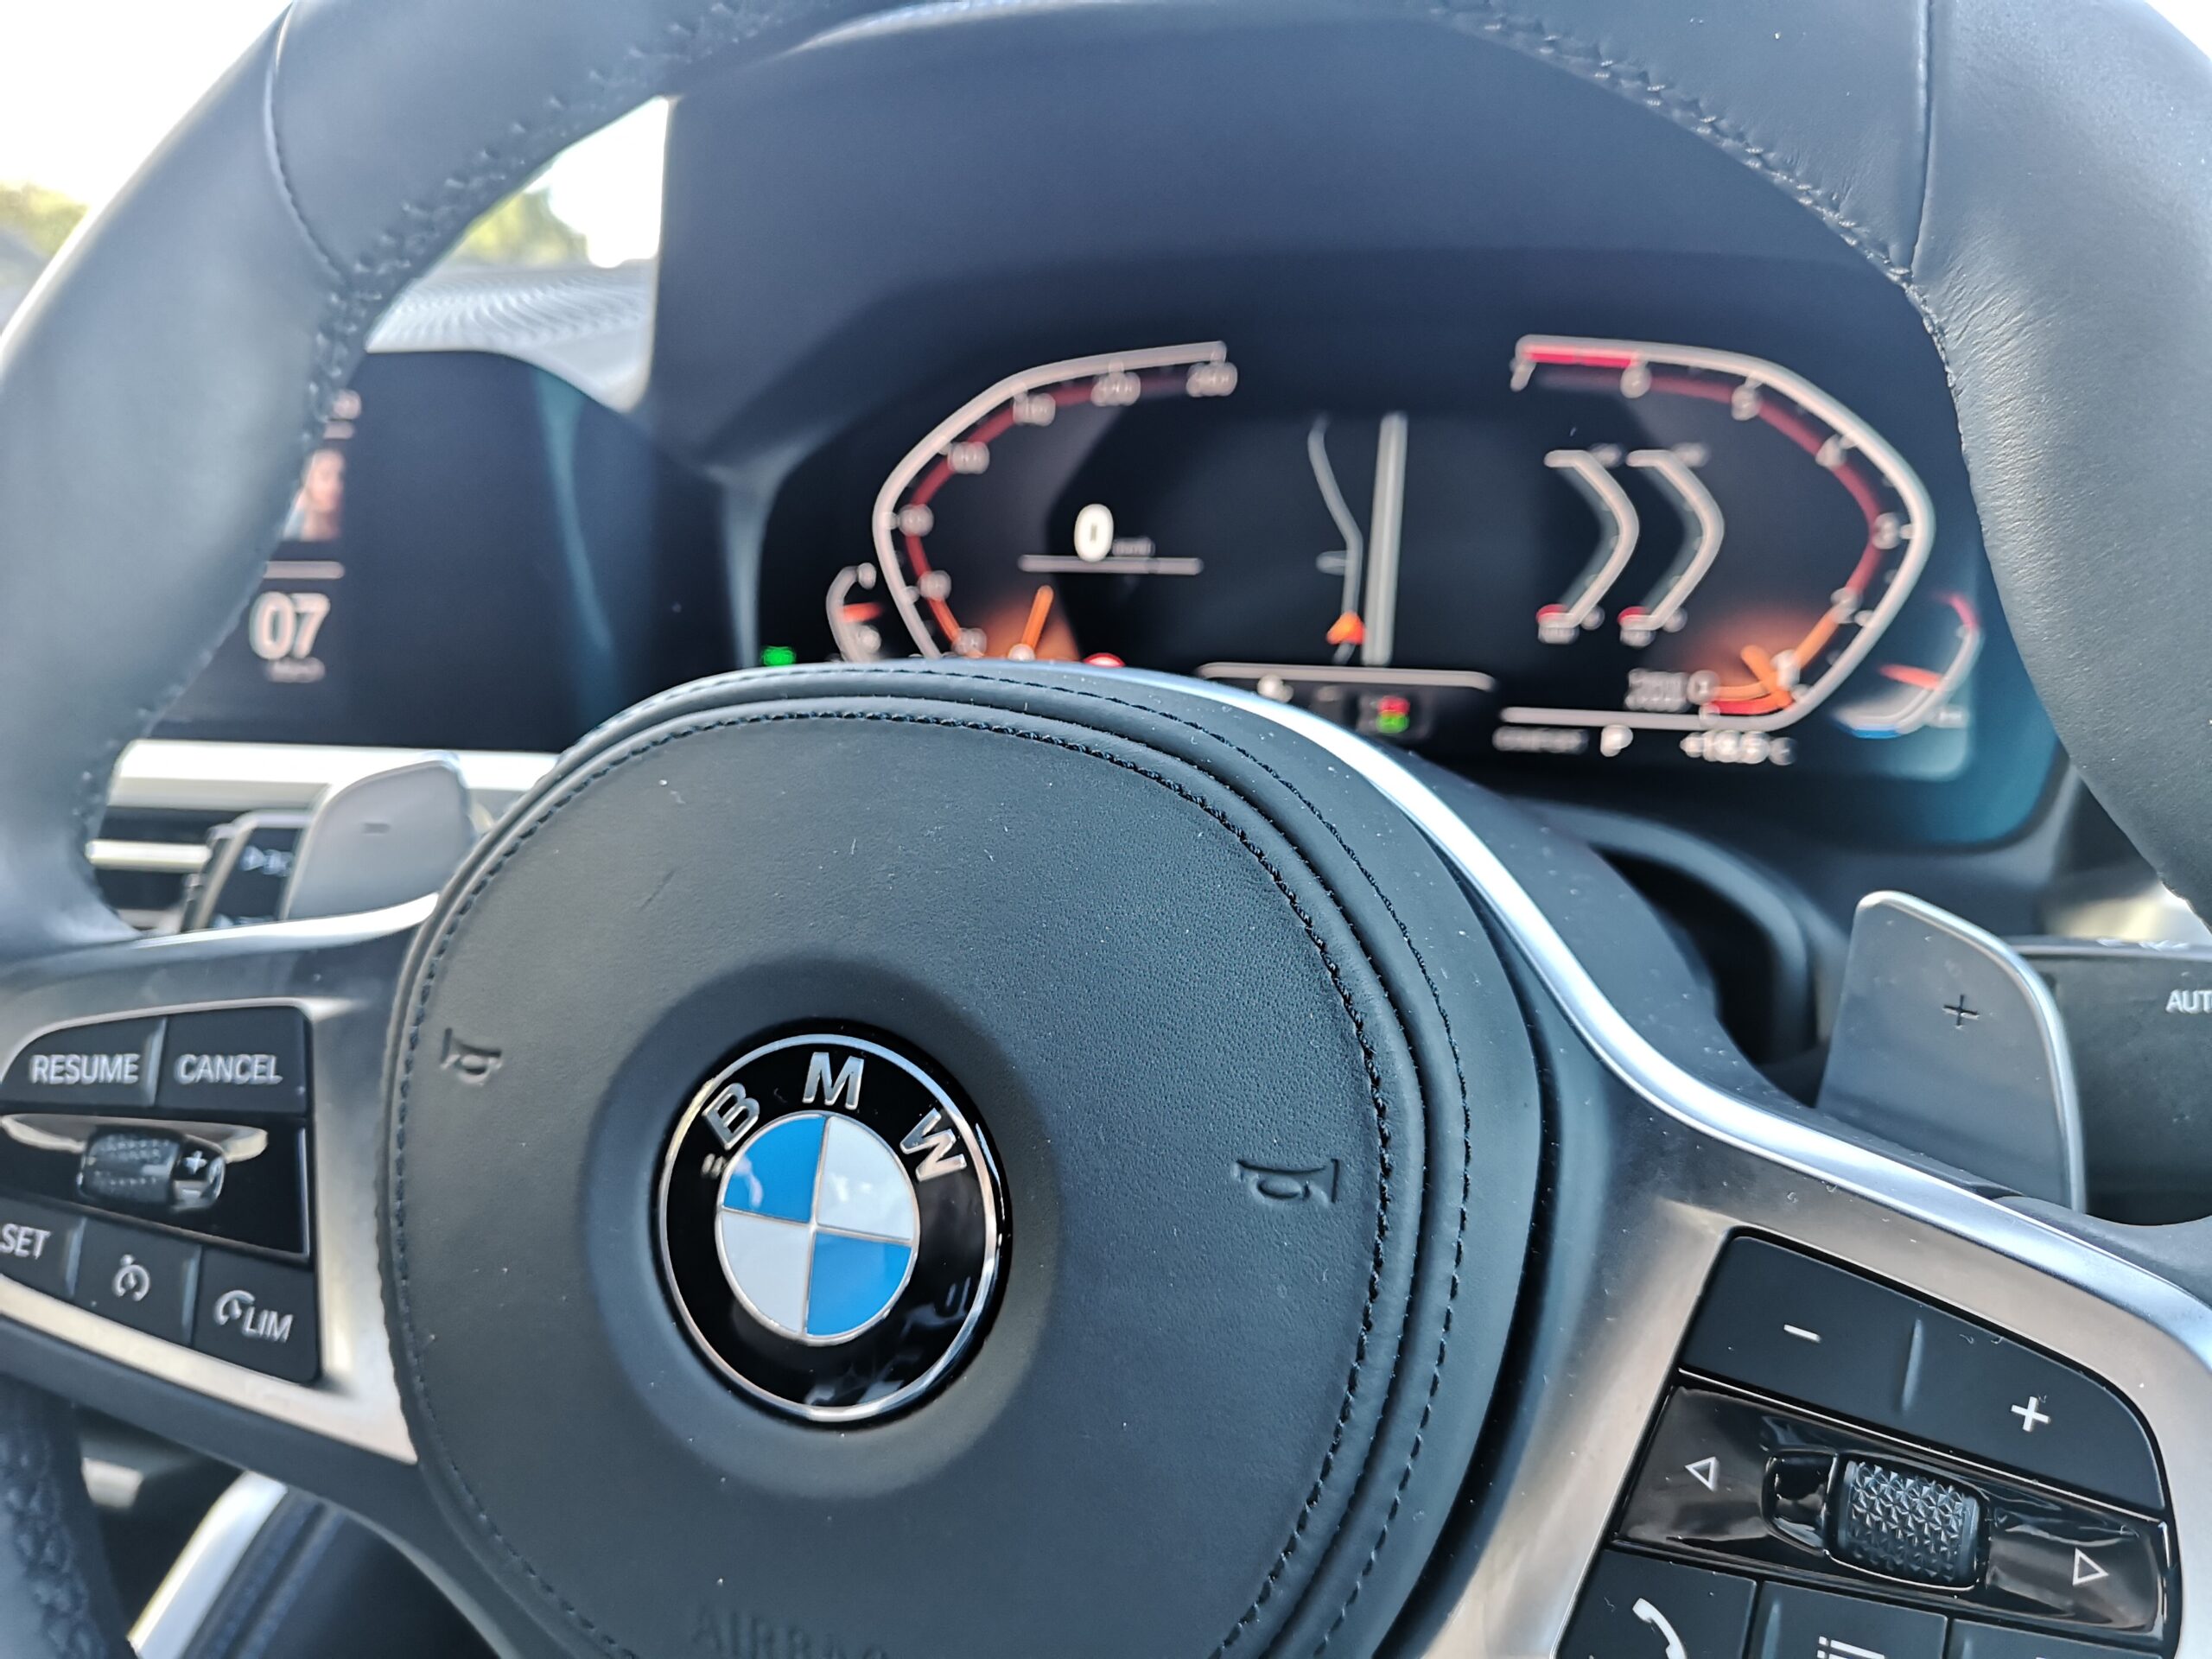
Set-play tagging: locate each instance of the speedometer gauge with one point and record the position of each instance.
(1047, 421)
(1545, 551)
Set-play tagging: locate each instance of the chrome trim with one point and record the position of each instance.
(1695, 1166)
(187, 775)
(352, 965)
(112, 1485)
(2050, 1026)
(1464, 679)
(71, 1132)
(153, 857)
(165, 1630)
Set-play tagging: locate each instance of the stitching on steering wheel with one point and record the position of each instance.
(422, 225)
(681, 694)
(1586, 59)
(1466, 1148)
(543, 815)
(1632, 81)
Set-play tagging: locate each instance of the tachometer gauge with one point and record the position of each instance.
(940, 532)
(1770, 654)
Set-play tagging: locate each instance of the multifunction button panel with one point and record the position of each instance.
(1843, 1472)
(155, 1171)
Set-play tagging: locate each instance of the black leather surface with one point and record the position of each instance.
(2020, 167)
(56, 1599)
(316, 1584)
(2024, 170)
(1159, 945)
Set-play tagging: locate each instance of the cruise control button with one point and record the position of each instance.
(1904, 1523)
(107, 1064)
(1995, 1642)
(235, 1060)
(38, 1246)
(1993, 1399)
(1788, 1325)
(1803, 1329)
(142, 1279)
(128, 1166)
(1795, 1624)
(257, 1315)
(1704, 1479)
(1634, 1607)
(2066, 1561)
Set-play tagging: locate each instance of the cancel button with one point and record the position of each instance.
(235, 1060)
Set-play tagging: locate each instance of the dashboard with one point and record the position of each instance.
(1571, 548)
(1594, 469)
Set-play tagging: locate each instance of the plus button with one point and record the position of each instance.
(2031, 1415)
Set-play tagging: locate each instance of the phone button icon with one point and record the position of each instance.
(1658, 1621)
(1635, 1607)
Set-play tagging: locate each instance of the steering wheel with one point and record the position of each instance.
(1266, 1216)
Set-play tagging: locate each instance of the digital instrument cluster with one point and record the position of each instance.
(1607, 549)
(478, 556)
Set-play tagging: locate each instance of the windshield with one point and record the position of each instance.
(87, 93)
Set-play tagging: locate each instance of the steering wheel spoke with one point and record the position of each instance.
(1737, 1294)
(190, 1129)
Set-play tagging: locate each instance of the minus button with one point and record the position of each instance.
(1800, 1333)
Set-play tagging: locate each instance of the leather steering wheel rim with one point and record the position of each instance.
(1975, 150)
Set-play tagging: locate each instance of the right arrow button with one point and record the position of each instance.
(2067, 1561)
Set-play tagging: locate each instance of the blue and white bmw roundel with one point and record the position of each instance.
(818, 1227)
(831, 1226)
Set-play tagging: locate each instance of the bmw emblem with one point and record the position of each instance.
(830, 1227)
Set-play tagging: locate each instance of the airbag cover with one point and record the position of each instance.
(1264, 1114)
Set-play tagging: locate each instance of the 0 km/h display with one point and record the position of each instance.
(1598, 541)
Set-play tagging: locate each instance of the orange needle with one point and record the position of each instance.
(1763, 671)
(1039, 608)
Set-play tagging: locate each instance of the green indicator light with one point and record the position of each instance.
(778, 656)
(1394, 717)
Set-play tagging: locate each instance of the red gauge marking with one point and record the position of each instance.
(987, 431)
(1748, 699)
(1906, 674)
(1576, 357)
(1348, 630)
(866, 611)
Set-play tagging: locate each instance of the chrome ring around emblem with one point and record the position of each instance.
(831, 1226)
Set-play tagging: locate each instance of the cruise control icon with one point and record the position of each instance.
(132, 1282)
(254, 1322)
